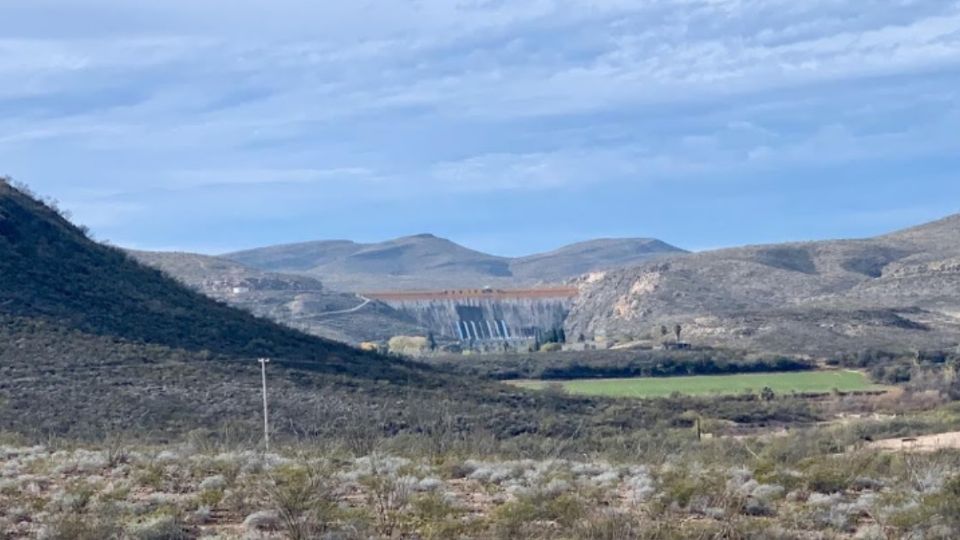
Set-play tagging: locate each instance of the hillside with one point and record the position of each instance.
(291, 299)
(52, 272)
(427, 262)
(93, 344)
(899, 291)
(421, 261)
(590, 256)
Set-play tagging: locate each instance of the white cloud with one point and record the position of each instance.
(452, 56)
(202, 178)
(393, 98)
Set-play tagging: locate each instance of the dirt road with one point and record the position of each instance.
(922, 443)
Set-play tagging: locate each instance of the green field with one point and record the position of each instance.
(780, 383)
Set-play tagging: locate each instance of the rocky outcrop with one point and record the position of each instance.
(897, 291)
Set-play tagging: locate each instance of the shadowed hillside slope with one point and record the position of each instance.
(52, 272)
(899, 291)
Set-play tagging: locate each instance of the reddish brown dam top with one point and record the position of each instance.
(463, 294)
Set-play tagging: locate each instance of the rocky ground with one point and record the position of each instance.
(186, 491)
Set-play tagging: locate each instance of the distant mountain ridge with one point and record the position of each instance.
(590, 256)
(302, 285)
(427, 261)
(896, 291)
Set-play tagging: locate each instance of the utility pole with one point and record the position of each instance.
(266, 425)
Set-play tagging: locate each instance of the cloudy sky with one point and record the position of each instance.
(508, 125)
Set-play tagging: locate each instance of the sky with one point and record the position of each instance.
(508, 126)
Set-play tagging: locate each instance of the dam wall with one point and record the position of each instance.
(479, 315)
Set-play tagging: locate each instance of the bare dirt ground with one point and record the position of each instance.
(923, 443)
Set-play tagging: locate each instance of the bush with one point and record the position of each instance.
(408, 345)
(434, 516)
(158, 528)
(608, 525)
(81, 527)
(387, 496)
(513, 519)
(303, 499)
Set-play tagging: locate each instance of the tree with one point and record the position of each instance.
(677, 330)
(663, 332)
(407, 345)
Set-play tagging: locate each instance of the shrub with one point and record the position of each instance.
(79, 527)
(158, 528)
(511, 519)
(608, 525)
(434, 516)
(408, 345)
(387, 496)
(828, 476)
(303, 499)
(213, 483)
(699, 492)
(935, 512)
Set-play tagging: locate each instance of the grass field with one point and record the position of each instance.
(803, 381)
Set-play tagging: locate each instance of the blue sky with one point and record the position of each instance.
(509, 126)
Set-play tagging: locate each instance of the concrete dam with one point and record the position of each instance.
(483, 315)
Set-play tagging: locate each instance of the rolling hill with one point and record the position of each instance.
(590, 256)
(94, 344)
(899, 291)
(427, 262)
(294, 300)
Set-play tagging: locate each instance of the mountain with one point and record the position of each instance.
(427, 262)
(295, 300)
(94, 344)
(590, 256)
(411, 262)
(899, 291)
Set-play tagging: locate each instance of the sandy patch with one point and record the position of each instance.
(922, 443)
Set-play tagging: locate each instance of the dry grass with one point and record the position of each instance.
(782, 487)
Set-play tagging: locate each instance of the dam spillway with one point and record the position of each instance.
(481, 315)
